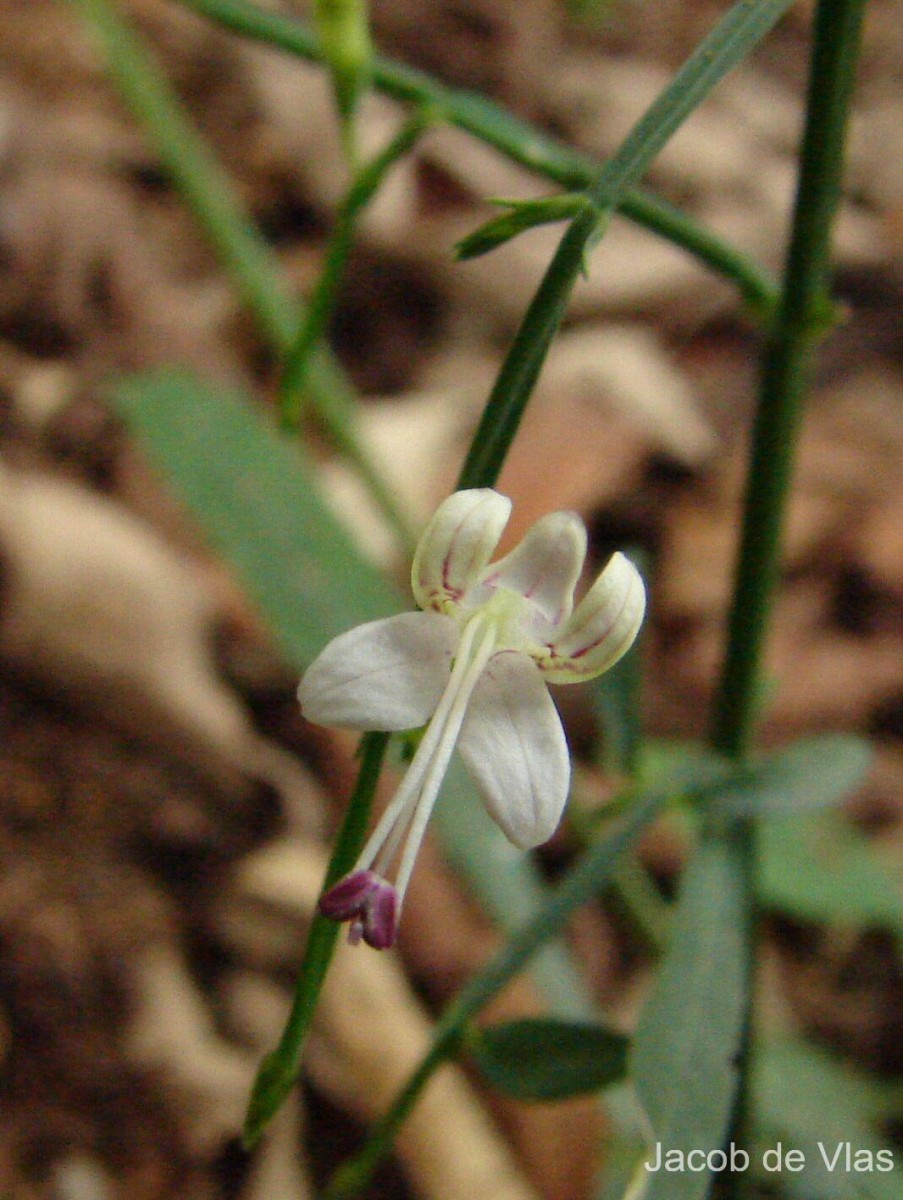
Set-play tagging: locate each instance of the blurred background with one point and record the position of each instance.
(165, 813)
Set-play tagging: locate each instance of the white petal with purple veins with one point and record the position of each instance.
(513, 745)
(386, 674)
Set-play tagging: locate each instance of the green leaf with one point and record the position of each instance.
(683, 766)
(256, 497)
(818, 867)
(523, 215)
(509, 886)
(690, 1032)
(814, 773)
(547, 1059)
(614, 696)
(803, 1096)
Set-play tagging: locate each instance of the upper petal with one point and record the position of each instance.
(514, 747)
(456, 545)
(546, 564)
(601, 628)
(383, 675)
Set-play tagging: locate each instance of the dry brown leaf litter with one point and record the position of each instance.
(138, 990)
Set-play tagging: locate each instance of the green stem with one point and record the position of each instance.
(803, 315)
(802, 318)
(742, 27)
(634, 890)
(199, 177)
(245, 255)
(592, 875)
(520, 370)
(513, 137)
(279, 1071)
(727, 44)
(320, 307)
(745, 24)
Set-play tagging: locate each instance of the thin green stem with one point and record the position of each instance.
(516, 139)
(199, 177)
(245, 255)
(279, 1071)
(743, 26)
(733, 37)
(727, 45)
(321, 303)
(634, 889)
(802, 317)
(591, 876)
(801, 320)
(520, 370)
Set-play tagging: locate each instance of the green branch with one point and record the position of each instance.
(728, 43)
(279, 1071)
(803, 316)
(245, 255)
(514, 138)
(587, 879)
(313, 326)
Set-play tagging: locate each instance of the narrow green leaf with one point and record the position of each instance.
(740, 29)
(511, 136)
(522, 215)
(812, 1102)
(256, 498)
(814, 773)
(684, 767)
(509, 885)
(818, 867)
(547, 1059)
(690, 1032)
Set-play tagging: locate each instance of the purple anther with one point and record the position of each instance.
(369, 902)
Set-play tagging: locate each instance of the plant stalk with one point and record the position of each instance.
(511, 136)
(804, 314)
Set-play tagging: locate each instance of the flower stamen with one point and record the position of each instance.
(473, 666)
(362, 896)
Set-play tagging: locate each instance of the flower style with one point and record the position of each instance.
(474, 663)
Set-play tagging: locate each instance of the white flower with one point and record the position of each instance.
(475, 664)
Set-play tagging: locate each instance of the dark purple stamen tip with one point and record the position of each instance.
(369, 902)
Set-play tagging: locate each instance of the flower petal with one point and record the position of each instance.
(514, 747)
(546, 565)
(601, 628)
(383, 675)
(456, 546)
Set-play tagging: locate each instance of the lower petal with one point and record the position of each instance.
(514, 747)
(383, 675)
